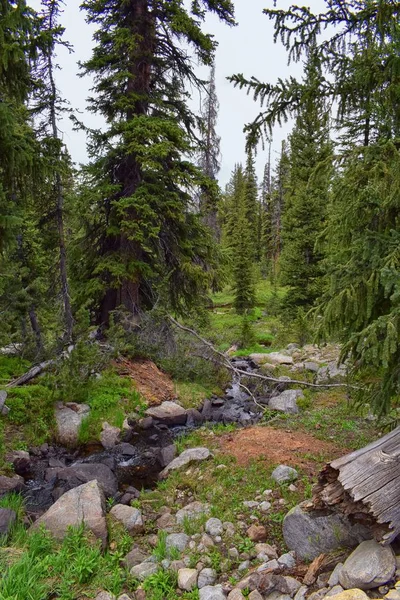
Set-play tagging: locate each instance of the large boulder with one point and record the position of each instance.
(168, 413)
(368, 567)
(313, 533)
(74, 476)
(286, 401)
(84, 504)
(69, 418)
(187, 456)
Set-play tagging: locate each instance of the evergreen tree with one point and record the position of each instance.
(251, 200)
(278, 194)
(361, 61)
(146, 241)
(48, 106)
(210, 153)
(306, 198)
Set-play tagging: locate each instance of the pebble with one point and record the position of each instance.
(250, 504)
(143, 570)
(244, 566)
(214, 527)
(210, 592)
(233, 553)
(187, 579)
(287, 560)
(257, 533)
(207, 576)
(265, 506)
(177, 540)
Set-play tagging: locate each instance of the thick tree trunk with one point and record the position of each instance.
(365, 485)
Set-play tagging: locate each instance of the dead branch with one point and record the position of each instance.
(31, 374)
(239, 372)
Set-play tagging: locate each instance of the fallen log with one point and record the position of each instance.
(31, 374)
(365, 486)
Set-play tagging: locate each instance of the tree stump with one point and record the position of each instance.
(365, 486)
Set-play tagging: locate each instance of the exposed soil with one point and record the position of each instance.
(277, 446)
(154, 385)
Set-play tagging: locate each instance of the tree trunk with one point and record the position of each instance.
(365, 485)
(36, 330)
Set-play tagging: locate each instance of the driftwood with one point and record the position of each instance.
(365, 486)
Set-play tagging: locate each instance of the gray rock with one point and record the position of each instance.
(214, 527)
(211, 592)
(301, 593)
(191, 511)
(286, 402)
(177, 540)
(250, 504)
(187, 579)
(310, 534)
(168, 413)
(274, 358)
(265, 506)
(287, 560)
(167, 455)
(109, 437)
(337, 589)
(77, 474)
(368, 567)
(144, 570)
(131, 518)
(69, 418)
(255, 595)
(105, 596)
(236, 595)
(244, 566)
(331, 372)
(334, 576)
(290, 586)
(283, 474)
(311, 366)
(270, 565)
(7, 519)
(267, 550)
(187, 456)
(134, 557)
(11, 484)
(84, 504)
(207, 576)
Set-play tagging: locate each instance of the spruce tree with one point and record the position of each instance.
(147, 244)
(306, 198)
(210, 154)
(251, 200)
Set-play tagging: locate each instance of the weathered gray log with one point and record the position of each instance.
(365, 485)
(31, 374)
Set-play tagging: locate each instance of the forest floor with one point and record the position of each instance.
(328, 425)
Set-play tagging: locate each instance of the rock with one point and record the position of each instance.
(310, 534)
(167, 455)
(177, 540)
(255, 595)
(124, 597)
(144, 570)
(369, 566)
(337, 589)
(105, 596)
(271, 565)
(77, 474)
(331, 372)
(214, 527)
(191, 511)
(84, 504)
(11, 484)
(289, 585)
(109, 437)
(352, 594)
(250, 504)
(169, 413)
(131, 518)
(236, 595)
(287, 560)
(311, 366)
(7, 519)
(21, 461)
(283, 474)
(69, 418)
(257, 533)
(265, 506)
(134, 557)
(274, 358)
(140, 594)
(187, 579)
(286, 402)
(267, 550)
(166, 521)
(334, 576)
(301, 593)
(207, 576)
(187, 456)
(211, 592)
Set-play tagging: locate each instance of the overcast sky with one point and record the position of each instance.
(247, 48)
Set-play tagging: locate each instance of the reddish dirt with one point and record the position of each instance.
(154, 385)
(278, 446)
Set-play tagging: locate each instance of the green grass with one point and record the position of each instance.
(32, 410)
(12, 367)
(111, 398)
(191, 394)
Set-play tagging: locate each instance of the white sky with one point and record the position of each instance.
(247, 48)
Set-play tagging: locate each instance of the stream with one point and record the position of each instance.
(135, 463)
